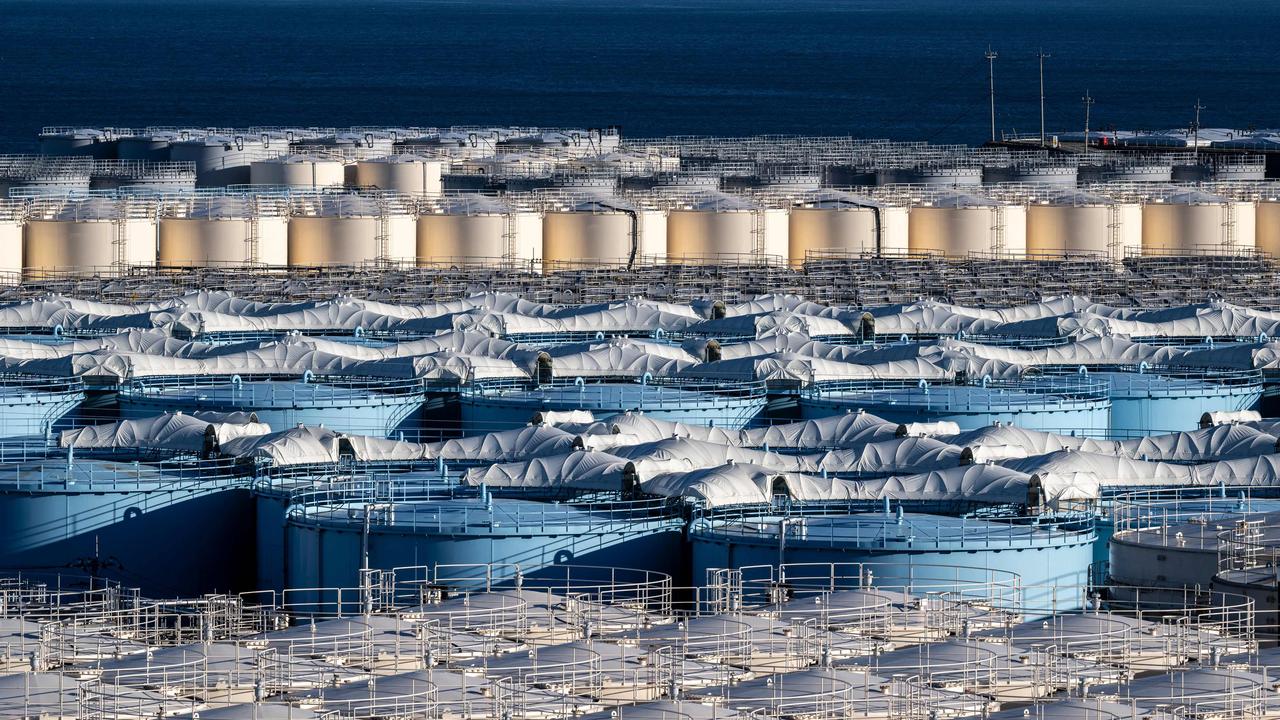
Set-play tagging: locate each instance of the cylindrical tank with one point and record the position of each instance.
(710, 228)
(903, 545)
(225, 159)
(160, 176)
(1077, 222)
(1065, 175)
(1174, 401)
(473, 229)
(1044, 404)
(592, 231)
(77, 141)
(411, 174)
(45, 175)
(326, 541)
(349, 230)
(89, 235)
(149, 145)
(949, 175)
(837, 222)
(12, 215)
(956, 224)
(221, 231)
(1138, 172)
(1268, 225)
(298, 171)
(1196, 221)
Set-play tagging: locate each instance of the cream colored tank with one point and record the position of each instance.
(588, 237)
(710, 235)
(1268, 226)
(1197, 222)
(188, 242)
(333, 241)
(461, 239)
(95, 235)
(69, 246)
(1072, 223)
(298, 171)
(847, 230)
(406, 174)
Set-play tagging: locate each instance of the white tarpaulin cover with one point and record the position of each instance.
(579, 469)
(171, 431)
(507, 445)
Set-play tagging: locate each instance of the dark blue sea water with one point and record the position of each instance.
(906, 69)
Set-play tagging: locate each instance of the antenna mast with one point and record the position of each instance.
(1195, 127)
(1088, 103)
(991, 81)
(1042, 55)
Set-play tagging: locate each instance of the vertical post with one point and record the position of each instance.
(1042, 55)
(991, 82)
(1195, 129)
(1088, 103)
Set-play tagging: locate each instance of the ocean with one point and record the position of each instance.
(901, 69)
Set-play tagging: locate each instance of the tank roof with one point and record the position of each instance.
(961, 200)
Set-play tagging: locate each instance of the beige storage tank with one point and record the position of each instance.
(1268, 224)
(957, 224)
(411, 174)
(594, 231)
(1193, 221)
(93, 235)
(299, 171)
(224, 231)
(350, 230)
(466, 230)
(710, 228)
(832, 222)
(1073, 222)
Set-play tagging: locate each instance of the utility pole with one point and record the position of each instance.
(991, 81)
(1195, 128)
(1042, 55)
(1088, 103)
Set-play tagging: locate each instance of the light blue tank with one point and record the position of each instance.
(326, 543)
(727, 405)
(1051, 404)
(281, 403)
(1151, 402)
(1052, 560)
(33, 406)
(167, 529)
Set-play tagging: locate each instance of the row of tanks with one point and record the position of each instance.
(558, 229)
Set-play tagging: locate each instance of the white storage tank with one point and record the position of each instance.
(350, 229)
(956, 224)
(1074, 222)
(225, 159)
(93, 235)
(1268, 224)
(409, 174)
(1194, 221)
(236, 230)
(150, 144)
(12, 215)
(590, 231)
(298, 171)
(711, 228)
(473, 229)
(94, 142)
(843, 223)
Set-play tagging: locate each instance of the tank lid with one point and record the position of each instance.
(1191, 197)
(339, 205)
(1078, 197)
(299, 159)
(221, 208)
(835, 199)
(88, 209)
(962, 200)
(400, 159)
(602, 204)
(715, 201)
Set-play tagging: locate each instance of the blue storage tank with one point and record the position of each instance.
(364, 408)
(729, 404)
(1051, 559)
(1157, 400)
(169, 528)
(34, 405)
(1042, 403)
(327, 542)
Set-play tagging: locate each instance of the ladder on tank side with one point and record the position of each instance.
(1229, 228)
(251, 238)
(383, 237)
(997, 232)
(757, 235)
(509, 237)
(1114, 249)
